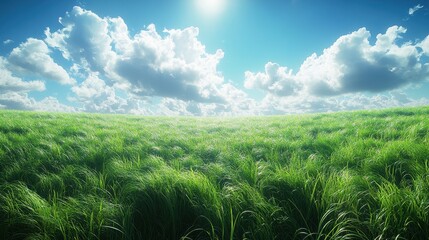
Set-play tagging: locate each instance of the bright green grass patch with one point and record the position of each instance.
(351, 175)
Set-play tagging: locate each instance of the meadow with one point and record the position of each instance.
(348, 175)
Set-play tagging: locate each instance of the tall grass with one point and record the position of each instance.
(351, 175)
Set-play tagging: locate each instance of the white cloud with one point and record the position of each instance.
(7, 41)
(10, 83)
(350, 65)
(174, 107)
(141, 106)
(313, 104)
(96, 96)
(170, 72)
(424, 45)
(173, 64)
(84, 39)
(237, 103)
(21, 101)
(33, 57)
(51, 104)
(169, 106)
(118, 32)
(414, 9)
(15, 100)
(14, 93)
(341, 77)
(276, 80)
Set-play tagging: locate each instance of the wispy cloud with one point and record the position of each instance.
(414, 9)
(7, 41)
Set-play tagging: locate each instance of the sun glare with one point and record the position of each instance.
(210, 8)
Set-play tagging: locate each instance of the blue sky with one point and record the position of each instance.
(213, 57)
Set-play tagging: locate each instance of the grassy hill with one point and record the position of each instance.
(352, 175)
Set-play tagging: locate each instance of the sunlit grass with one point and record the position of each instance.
(352, 175)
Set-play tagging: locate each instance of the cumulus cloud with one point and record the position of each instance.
(84, 39)
(174, 107)
(276, 79)
(243, 106)
(11, 83)
(237, 103)
(14, 93)
(33, 57)
(21, 101)
(424, 45)
(414, 9)
(172, 64)
(170, 72)
(96, 96)
(350, 65)
(15, 100)
(343, 76)
(314, 104)
(51, 104)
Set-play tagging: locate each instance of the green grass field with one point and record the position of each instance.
(351, 175)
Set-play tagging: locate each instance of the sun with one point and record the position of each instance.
(210, 8)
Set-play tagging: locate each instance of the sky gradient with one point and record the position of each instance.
(213, 57)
